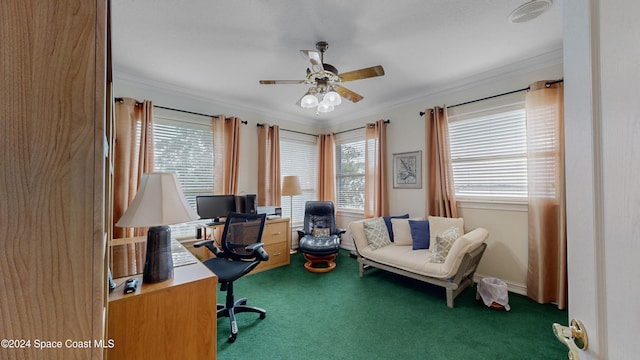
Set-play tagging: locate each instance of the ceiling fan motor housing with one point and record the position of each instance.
(327, 67)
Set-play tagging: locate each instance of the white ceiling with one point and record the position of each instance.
(219, 50)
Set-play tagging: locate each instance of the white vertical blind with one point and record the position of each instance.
(299, 157)
(488, 145)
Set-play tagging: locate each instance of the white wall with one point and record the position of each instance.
(248, 172)
(506, 255)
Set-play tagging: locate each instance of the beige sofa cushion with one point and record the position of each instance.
(438, 225)
(402, 231)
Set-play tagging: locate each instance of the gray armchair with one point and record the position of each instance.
(319, 237)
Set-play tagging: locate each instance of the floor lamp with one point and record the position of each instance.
(290, 188)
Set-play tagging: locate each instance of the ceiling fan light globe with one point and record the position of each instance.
(308, 101)
(325, 107)
(332, 98)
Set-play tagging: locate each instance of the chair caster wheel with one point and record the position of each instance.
(262, 316)
(232, 338)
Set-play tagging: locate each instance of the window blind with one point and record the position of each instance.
(299, 157)
(185, 147)
(488, 147)
(350, 174)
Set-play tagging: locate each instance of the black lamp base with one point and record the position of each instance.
(158, 265)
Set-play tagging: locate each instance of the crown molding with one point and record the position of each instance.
(544, 60)
(189, 94)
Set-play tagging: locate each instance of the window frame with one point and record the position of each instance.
(487, 108)
(167, 117)
(309, 184)
(349, 137)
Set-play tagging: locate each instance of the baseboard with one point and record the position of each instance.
(520, 289)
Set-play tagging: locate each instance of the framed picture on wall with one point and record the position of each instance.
(407, 170)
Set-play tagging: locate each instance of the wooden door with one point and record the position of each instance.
(52, 246)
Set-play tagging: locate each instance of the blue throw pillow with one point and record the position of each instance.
(387, 221)
(420, 234)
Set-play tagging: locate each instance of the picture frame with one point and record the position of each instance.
(407, 170)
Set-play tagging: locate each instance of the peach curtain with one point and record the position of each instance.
(376, 201)
(226, 154)
(327, 167)
(269, 189)
(133, 157)
(547, 270)
(441, 198)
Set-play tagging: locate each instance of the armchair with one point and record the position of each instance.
(319, 237)
(241, 252)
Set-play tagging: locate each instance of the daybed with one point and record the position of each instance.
(454, 274)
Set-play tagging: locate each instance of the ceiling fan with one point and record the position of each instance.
(326, 92)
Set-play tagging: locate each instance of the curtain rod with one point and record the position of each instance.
(304, 133)
(121, 100)
(293, 131)
(358, 128)
(495, 96)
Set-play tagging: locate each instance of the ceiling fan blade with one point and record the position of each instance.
(348, 94)
(314, 58)
(362, 73)
(272, 82)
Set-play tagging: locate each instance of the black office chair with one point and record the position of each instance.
(319, 238)
(241, 252)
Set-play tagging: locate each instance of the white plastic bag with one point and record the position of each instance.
(493, 290)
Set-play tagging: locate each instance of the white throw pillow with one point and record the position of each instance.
(376, 232)
(443, 243)
(438, 225)
(402, 231)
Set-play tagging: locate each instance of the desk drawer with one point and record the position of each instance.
(275, 232)
(278, 256)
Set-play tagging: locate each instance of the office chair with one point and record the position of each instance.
(319, 238)
(241, 252)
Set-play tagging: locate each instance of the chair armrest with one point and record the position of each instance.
(300, 233)
(259, 251)
(209, 244)
(340, 231)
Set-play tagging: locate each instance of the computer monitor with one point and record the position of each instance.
(215, 207)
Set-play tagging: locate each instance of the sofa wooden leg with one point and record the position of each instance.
(450, 298)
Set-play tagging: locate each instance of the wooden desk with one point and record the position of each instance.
(173, 319)
(276, 238)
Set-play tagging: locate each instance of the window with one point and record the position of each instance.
(350, 172)
(184, 145)
(488, 145)
(299, 157)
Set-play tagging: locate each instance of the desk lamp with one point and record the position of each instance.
(159, 202)
(291, 187)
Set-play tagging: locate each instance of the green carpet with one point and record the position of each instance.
(338, 315)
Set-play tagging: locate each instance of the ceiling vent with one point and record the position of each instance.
(529, 11)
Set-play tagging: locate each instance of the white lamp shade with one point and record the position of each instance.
(291, 186)
(309, 101)
(325, 107)
(332, 98)
(159, 201)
